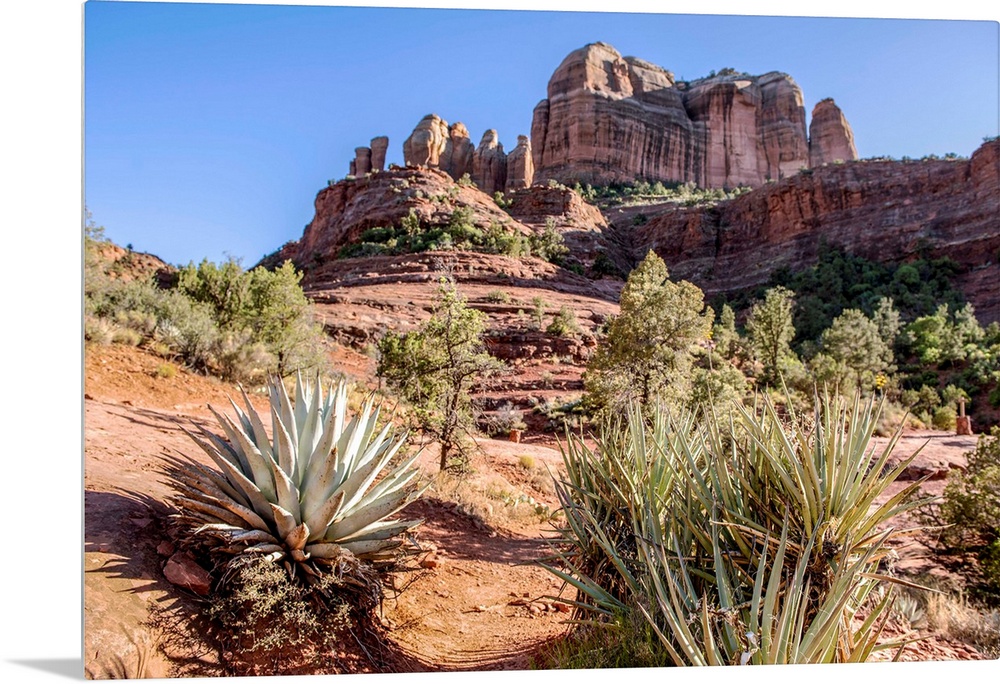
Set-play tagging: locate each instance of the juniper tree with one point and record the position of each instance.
(647, 353)
(435, 367)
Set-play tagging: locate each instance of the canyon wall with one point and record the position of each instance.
(883, 211)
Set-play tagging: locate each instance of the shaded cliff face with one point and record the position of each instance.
(611, 118)
(883, 211)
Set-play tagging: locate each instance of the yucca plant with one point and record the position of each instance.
(313, 495)
(749, 539)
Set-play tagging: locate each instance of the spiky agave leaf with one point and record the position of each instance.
(316, 489)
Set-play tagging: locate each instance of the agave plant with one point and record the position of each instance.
(307, 493)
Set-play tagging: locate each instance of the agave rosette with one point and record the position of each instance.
(311, 492)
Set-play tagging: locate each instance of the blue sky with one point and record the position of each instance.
(210, 128)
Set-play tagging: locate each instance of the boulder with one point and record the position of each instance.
(830, 136)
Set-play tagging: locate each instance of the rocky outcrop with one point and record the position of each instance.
(426, 143)
(883, 211)
(830, 136)
(611, 118)
(362, 162)
(456, 160)
(520, 168)
(379, 146)
(489, 164)
(344, 210)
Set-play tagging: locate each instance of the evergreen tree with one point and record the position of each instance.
(770, 329)
(435, 367)
(648, 350)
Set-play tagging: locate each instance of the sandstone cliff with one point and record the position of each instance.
(611, 118)
(884, 211)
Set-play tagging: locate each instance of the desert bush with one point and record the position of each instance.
(564, 323)
(744, 541)
(262, 616)
(971, 509)
(166, 371)
(944, 418)
(548, 244)
(498, 297)
(505, 419)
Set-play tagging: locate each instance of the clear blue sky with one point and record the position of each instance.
(210, 128)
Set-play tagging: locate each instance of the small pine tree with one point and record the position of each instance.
(770, 329)
(647, 353)
(435, 367)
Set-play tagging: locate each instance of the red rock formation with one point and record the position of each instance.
(379, 146)
(830, 136)
(362, 163)
(456, 160)
(427, 143)
(884, 211)
(344, 210)
(612, 118)
(520, 169)
(489, 164)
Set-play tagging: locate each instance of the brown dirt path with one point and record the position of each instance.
(476, 605)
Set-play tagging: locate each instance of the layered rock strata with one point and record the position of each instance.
(883, 211)
(611, 118)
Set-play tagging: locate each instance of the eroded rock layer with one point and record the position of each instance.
(883, 211)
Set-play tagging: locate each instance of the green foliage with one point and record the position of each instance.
(841, 281)
(972, 507)
(265, 307)
(435, 367)
(304, 495)
(770, 330)
(749, 540)
(644, 192)
(498, 297)
(857, 351)
(564, 323)
(548, 244)
(648, 349)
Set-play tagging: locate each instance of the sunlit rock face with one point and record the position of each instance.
(611, 118)
(830, 136)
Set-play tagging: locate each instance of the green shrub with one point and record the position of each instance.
(971, 507)
(498, 297)
(944, 418)
(166, 371)
(743, 541)
(564, 323)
